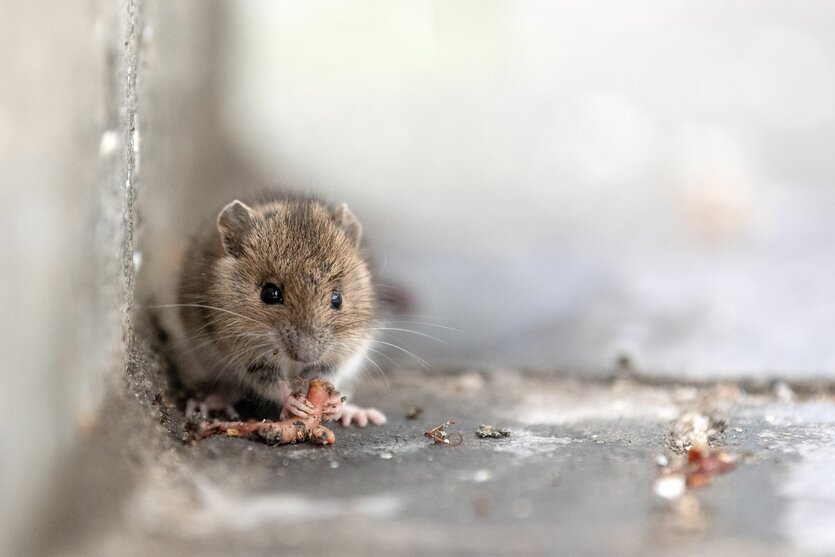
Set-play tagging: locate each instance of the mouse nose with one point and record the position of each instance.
(302, 347)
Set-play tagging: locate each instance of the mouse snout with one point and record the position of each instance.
(302, 347)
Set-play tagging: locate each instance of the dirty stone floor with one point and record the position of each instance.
(576, 477)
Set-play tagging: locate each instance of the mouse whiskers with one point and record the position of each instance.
(209, 307)
(423, 363)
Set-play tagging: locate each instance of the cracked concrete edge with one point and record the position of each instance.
(130, 132)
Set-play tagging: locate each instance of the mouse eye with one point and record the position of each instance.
(336, 299)
(271, 294)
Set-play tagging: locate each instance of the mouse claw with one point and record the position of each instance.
(334, 407)
(297, 405)
(352, 413)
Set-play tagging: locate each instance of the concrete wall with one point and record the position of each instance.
(68, 169)
(567, 182)
(116, 99)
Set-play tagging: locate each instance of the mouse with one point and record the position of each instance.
(272, 291)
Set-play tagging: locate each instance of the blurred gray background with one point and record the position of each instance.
(565, 182)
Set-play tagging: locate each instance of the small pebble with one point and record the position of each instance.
(386, 456)
(670, 486)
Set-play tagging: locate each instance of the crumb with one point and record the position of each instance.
(485, 431)
(691, 471)
(694, 430)
(670, 486)
(439, 434)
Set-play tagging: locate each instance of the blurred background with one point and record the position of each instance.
(566, 183)
(556, 185)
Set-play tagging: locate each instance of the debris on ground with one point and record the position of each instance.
(440, 435)
(414, 412)
(702, 465)
(490, 431)
(692, 471)
(693, 437)
(670, 486)
(290, 430)
(694, 429)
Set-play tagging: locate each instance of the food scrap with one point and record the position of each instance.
(703, 465)
(440, 435)
(290, 430)
(489, 431)
(692, 471)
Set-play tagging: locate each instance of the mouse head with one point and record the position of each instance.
(295, 281)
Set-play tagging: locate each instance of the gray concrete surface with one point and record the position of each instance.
(574, 478)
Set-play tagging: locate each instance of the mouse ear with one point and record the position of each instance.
(234, 223)
(348, 223)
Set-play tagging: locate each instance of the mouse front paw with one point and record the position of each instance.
(351, 413)
(334, 407)
(296, 404)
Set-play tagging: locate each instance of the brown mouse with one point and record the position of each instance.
(276, 290)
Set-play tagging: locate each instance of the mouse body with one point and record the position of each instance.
(274, 290)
